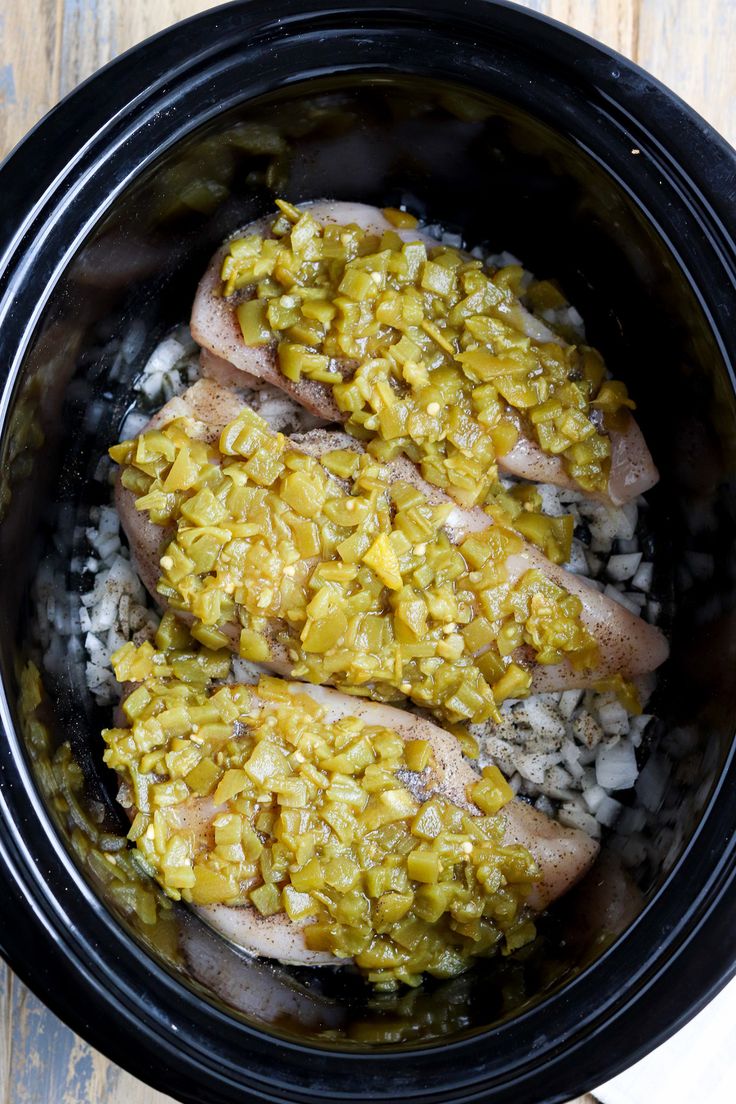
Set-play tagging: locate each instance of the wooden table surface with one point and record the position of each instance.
(49, 46)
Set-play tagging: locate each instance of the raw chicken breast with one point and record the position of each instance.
(628, 645)
(563, 854)
(633, 471)
(227, 359)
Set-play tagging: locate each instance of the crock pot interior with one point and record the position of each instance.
(497, 175)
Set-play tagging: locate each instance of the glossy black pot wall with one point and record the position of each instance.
(514, 131)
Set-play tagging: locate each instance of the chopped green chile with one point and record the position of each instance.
(115, 870)
(312, 819)
(354, 575)
(441, 367)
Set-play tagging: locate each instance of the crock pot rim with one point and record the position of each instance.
(420, 9)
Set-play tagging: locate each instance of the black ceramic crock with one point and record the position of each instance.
(512, 130)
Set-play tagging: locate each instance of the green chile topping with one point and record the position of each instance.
(425, 350)
(353, 575)
(249, 796)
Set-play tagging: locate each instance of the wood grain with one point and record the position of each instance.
(687, 44)
(46, 48)
(43, 1062)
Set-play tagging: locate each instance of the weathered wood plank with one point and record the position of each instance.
(43, 1062)
(93, 31)
(49, 46)
(614, 22)
(689, 44)
(29, 66)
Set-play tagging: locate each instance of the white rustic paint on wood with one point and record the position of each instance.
(46, 48)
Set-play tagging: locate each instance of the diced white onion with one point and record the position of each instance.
(533, 767)
(637, 726)
(569, 701)
(571, 758)
(593, 797)
(587, 729)
(573, 816)
(608, 811)
(558, 783)
(132, 425)
(133, 340)
(612, 592)
(577, 562)
(652, 782)
(623, 567)
(613, 718)
(615, 766)
(654, 610)
(643, 578)
(544, 805)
